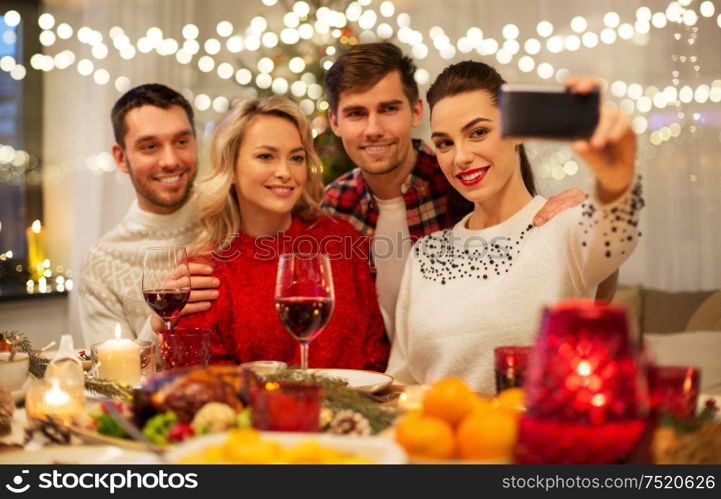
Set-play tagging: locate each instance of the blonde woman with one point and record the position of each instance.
(261, 198)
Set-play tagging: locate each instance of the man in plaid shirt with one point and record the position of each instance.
(397, 194)
(425, 193)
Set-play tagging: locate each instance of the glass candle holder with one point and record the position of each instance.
(184, 347)
(262, 367)
(674, 390)
(411, 399)
(148, 358)
(287, 406)
(511, 363)
(55, 399)
(586, 392)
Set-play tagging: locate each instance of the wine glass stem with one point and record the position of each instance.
(303, 355)
(168, 325)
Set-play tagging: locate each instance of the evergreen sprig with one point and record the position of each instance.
(17, 341)
(692, 424)
(108, 389)
(38, 364)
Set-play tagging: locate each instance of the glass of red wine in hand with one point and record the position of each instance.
(166, 282)
(304, 297)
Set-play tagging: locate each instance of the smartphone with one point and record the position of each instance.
(536, 111)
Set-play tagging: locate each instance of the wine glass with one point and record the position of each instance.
(166, 282)
(304, 297)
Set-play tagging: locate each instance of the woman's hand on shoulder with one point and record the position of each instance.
(611, 150)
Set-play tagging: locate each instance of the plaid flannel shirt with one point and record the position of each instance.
(425, 193)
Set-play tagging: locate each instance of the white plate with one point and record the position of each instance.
(364, 381)
(78, 454)
(380, 450)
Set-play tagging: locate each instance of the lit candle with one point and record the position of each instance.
(510, 368)
(412, 397)
(35, 236)
(63, 403)
(119, 359)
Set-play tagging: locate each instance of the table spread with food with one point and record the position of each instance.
(267, 412)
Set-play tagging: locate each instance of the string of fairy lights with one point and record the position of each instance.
(227, 53)
(322, 25)
(328, 22)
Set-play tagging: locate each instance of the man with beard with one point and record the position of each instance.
(155, 145)
(397, 194)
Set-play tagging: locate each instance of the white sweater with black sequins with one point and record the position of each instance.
(465, 292)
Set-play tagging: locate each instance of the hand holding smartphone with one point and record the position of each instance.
(536, 111)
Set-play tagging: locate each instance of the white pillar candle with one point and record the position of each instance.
(119, 359)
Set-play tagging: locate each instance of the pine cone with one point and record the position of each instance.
(7, 407)
(348, 422)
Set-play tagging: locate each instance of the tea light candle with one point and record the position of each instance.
(412, 397)
(63, 403)
(119, 359)
(511, 365)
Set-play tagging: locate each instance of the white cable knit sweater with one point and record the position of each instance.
(111, 275)
(465, 292)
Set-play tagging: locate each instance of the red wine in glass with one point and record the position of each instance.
(167, 303)
(304, 317)
(166, 281)
(304, 297)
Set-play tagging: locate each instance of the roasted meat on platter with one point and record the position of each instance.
(185, 391)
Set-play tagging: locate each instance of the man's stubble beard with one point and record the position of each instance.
(145, 191)
(394, 163)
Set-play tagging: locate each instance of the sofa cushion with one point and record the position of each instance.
(707, 315)
(694, 348)
(665, 312)
(631, 297)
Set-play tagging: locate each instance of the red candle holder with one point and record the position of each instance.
(287, 406)
(674, 390)
(184, 347)
(586, 392)
(511, 366)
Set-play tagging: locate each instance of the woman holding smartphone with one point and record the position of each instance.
(483, 283)
(261, 198)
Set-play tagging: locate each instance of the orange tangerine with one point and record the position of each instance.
(488, 435)
(481, 404)
(449, 399)
(512, 398)
(425, 436)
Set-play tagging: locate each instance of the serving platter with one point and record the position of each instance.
(379, 450)
(78, 454)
